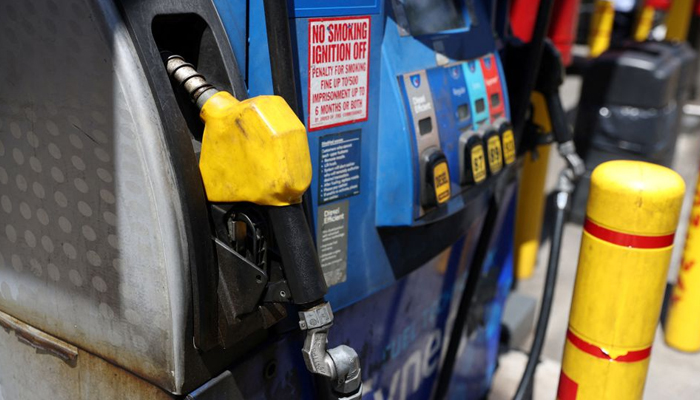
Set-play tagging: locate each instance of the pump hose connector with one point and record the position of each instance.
(184, 74)
(341, 365)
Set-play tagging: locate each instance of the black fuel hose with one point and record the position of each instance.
(563, 195)
(279, 42)
(298, 253)
(460, 323)
(295, 241)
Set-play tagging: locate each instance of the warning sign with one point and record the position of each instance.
(338, 71)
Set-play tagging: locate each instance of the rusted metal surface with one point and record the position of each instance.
(29, 373)
(38, 339)
(92, 249)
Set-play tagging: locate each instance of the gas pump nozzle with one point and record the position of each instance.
(549, 80)
(269, 142)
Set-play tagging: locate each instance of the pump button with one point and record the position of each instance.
(478, 162)
(472, 159)
(494, 150)
(506, 131)
(441, 181)
(437, 178)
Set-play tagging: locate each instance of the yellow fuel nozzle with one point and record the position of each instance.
(253, 150)
(256, 151)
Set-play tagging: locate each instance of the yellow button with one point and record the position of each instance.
(441, 180)
(493, 145)
(508, 147)
(478, 163)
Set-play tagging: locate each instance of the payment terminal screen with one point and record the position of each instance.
(433, 16)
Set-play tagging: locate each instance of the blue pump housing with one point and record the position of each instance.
(477, 92)
(396, 267)
(452, 107)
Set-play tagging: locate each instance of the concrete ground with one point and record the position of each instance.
(672, 375)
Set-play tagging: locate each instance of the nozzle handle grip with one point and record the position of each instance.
(298, 252)
(560, 126)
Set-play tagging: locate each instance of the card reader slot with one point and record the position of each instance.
(480, 105)
(425, 126)
(463, 112)
(495, 100)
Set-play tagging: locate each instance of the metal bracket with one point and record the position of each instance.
(241, 279)
(247, 238)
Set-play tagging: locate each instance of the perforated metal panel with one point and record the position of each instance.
(91, 244)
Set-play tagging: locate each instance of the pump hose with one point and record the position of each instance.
(563, 194)
(460, 322)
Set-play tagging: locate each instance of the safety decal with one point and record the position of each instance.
(595, 351)
(568, 389)
(332, 241)
(338, 71)
(339, 166)
(627, 239)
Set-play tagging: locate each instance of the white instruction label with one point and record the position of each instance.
(338, 71)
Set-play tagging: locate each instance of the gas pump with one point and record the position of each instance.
(413, 150)
(174, 249)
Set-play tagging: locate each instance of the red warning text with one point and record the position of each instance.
(338, 71)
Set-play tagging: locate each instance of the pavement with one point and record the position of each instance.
(672, 374)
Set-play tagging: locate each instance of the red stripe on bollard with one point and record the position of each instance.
(627, 239)
(595, 351)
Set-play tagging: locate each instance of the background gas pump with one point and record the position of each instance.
(617, 120)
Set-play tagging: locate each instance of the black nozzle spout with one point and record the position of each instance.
(184, 74)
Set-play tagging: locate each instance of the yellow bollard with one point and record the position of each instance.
(678, 20)
(601, 27)
(632, 214)
(530, 208)
(645, 21)
(683, 320)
